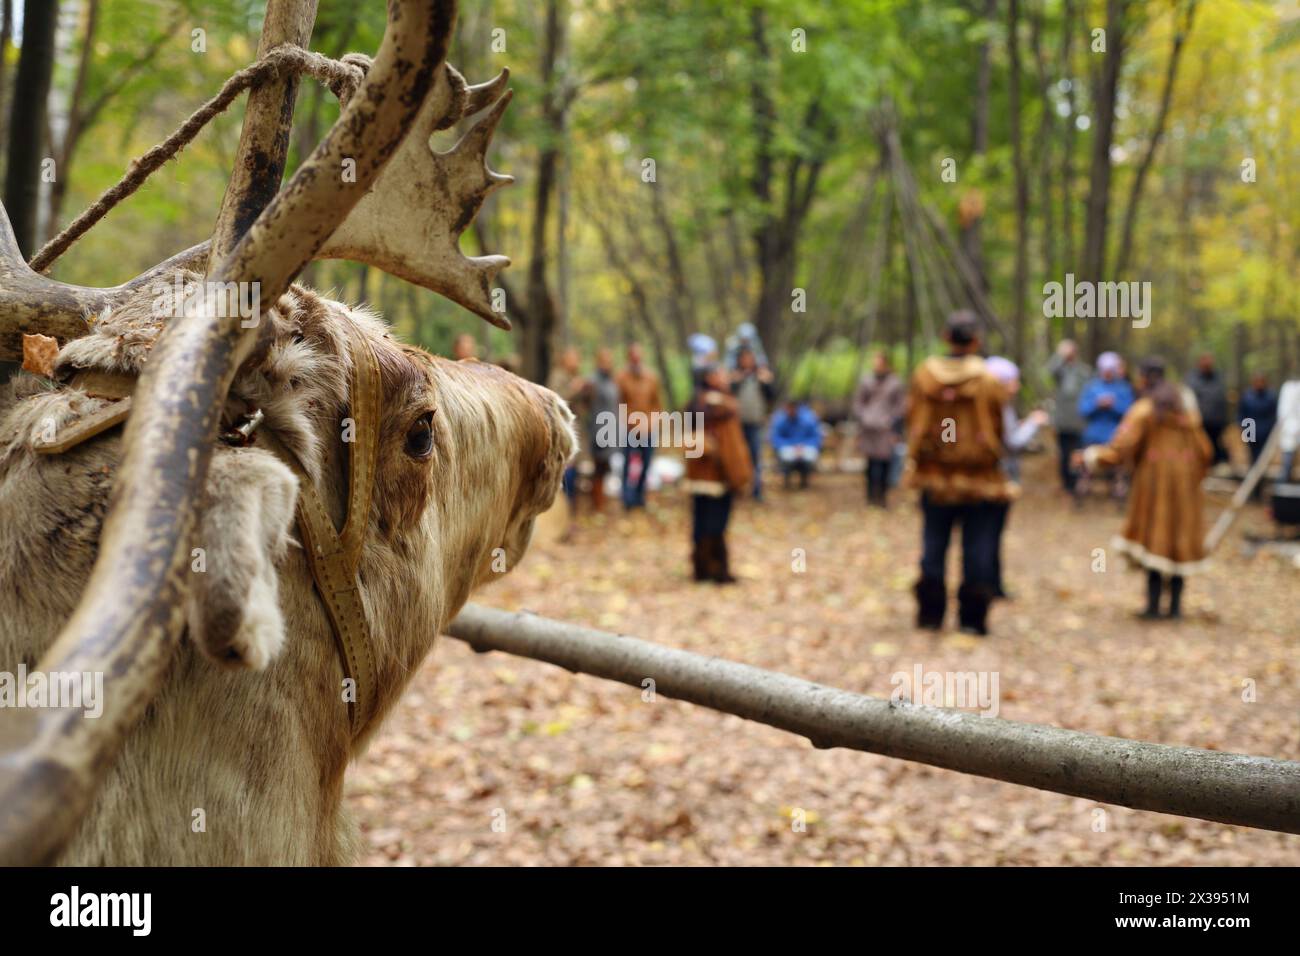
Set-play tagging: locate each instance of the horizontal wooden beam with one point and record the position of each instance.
(1223, 787)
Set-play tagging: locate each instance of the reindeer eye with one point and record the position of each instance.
(419, 437)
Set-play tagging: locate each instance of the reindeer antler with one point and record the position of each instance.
(410, 222)
(30, 302)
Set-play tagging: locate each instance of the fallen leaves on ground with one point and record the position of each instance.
(498, 760)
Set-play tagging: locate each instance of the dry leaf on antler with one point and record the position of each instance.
(39, 353)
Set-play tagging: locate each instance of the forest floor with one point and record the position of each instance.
(576, 770)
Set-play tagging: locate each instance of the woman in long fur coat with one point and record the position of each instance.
(1161, 438)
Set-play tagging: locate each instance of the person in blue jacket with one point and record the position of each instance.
(1258, 413)
(796, 437)
(1102, 404)
(1257, 410)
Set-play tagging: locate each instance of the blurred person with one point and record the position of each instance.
(879, 405)
(1102, 405)
(1104, 400)
(1212, 401)
(603, 406)
(745, 335)
(704, 355)
(1258, 405)
(1017, 433)
(1162, 438)
(954, 452)
(566, 381)
(723, 470)
(465, 346)
(1070, 376)
(638, 392)
(754, 388)
(796, 437)
(1288, 419)
(1127, 374)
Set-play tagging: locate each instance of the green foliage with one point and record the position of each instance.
(675, 81)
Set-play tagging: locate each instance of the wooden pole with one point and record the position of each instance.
(1210, 785)
(1244, 491)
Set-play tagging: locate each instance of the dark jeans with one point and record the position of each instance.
(980, 522)
(754, 439)
(1002, 511)
(878, 479)
(709, 516)
(1067, 443)
(634, 492)
(1214, 432)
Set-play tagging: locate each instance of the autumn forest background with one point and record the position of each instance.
(816, 168)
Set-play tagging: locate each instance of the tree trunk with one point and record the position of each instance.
(766, 238)
(1043, 147)
(1021, 280)
(6, 37)
(1182, 28)
(72, 130)
(912, 307)
(1105, 92)
(680, 299)
(542, 314)
(1067, 152)
(971, 240)
(26, 144)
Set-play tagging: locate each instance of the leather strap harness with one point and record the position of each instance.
(332, 555)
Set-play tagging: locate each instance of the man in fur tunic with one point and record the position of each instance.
(954, 452)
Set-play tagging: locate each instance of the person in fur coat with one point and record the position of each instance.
(724, 469)
(879, 405)
(954, 452)
(1161, 438)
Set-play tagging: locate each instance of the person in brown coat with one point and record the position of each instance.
(638, 392)
(722, 470)
(1161, 438)
(878, 406)
(954, 452)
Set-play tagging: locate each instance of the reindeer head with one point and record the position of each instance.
(467, 456)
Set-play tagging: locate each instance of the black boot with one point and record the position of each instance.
(973, 602)
(1176, 597)
(721, 564)
(931, 602)
(1154, 586)
(700, 559)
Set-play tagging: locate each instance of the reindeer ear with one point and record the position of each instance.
(233, 609)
